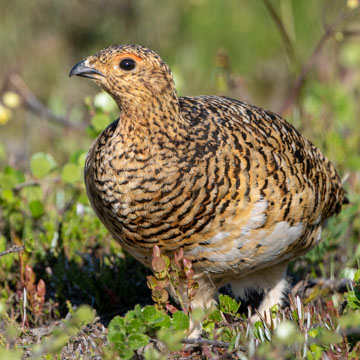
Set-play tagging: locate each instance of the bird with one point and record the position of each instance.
(236, 187)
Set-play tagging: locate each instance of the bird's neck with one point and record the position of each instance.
(152, 118)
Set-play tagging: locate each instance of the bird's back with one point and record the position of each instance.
(250, 128)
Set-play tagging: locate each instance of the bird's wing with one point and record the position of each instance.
(249, 128)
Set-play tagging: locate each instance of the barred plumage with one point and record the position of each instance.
(235, 186)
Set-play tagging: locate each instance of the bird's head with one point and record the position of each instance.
(129, 73)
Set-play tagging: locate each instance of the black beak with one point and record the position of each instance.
(80, 69)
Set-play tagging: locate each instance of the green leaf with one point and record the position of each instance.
(70, 173)
(314, 332)
(137, 311)
(149, 313)
(6, 262)
(156, 318)
(84, 314)
(81, 160)
(180, 321)
(3, 242)
(216, 316)
(136, 341)
(123, 351)
(126, 354)
(228, 305)
(129, 316)
(77, 157)
(11, 177)
(161, 321)
(36, 208)
(226, 333)
(233, 341)
(353, 299)
(29, 244)
(209, 327)
(135, 326)
(117, 330)
(357, 276)
(8, 195)
(100, 121)
(316, 351)
(32, 193)
(41, 164)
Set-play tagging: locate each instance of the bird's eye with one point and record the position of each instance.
(127, 64)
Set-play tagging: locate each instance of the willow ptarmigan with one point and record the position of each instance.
(235, 186)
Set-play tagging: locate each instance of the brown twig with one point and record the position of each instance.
(216, 343)
(34, 104)
(23, 185)
(283, 33)
(203, 341)
(13, 249)
(30, 183)
(351, 33)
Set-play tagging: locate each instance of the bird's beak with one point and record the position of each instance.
(81, 69)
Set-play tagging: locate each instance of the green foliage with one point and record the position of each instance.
(228, 305)
(71, 173)
(180, 321)
(41, 164)
(36, 208)
(126, 337)
(100, 121)
(10, 354)
(133, 331)
(44, 207)
(353, 297)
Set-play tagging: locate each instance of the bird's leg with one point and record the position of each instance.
(271, 281)
(203, 299)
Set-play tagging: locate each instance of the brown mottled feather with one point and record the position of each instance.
(237, 187)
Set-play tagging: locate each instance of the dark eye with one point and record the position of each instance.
(127, 64)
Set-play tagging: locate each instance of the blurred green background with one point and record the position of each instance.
(249, 50)
(230, 47)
